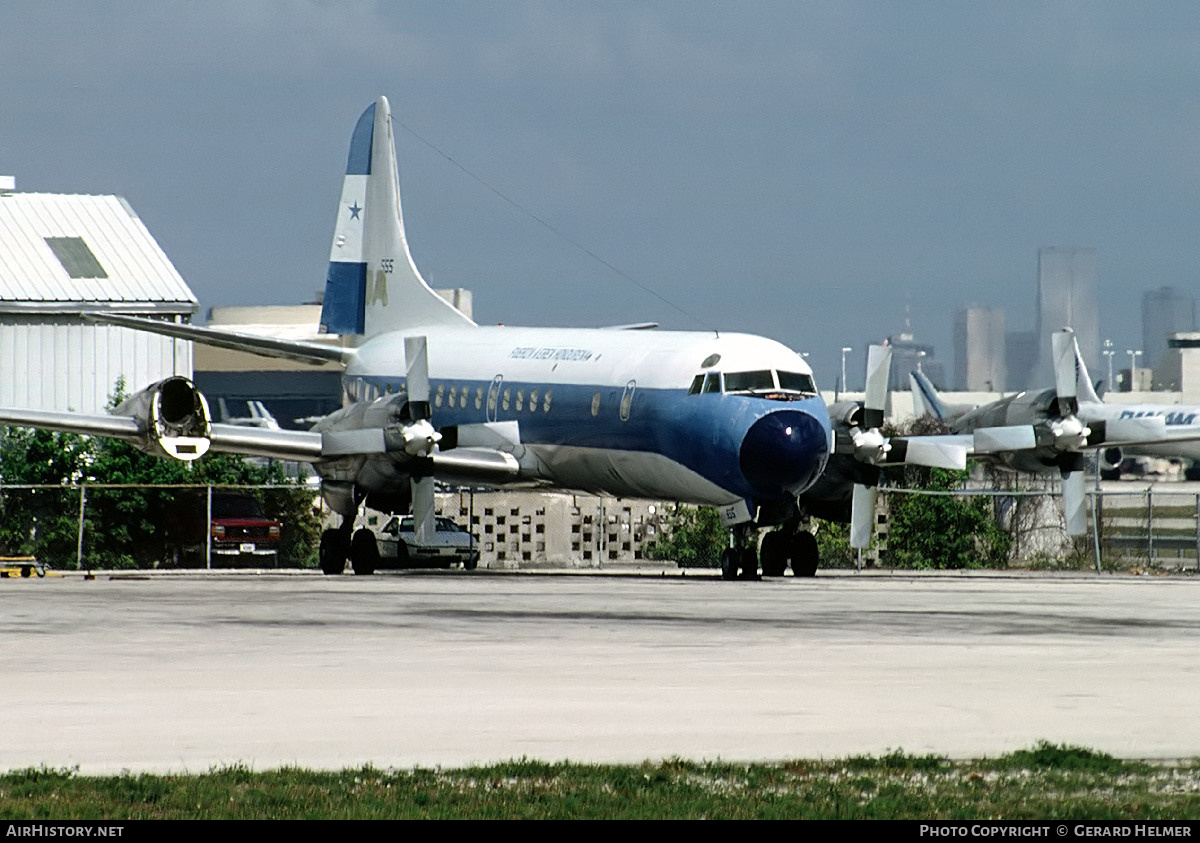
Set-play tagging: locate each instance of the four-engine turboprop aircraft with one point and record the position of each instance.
(1049, 430)
(730, 420)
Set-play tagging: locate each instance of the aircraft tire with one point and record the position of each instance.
(332, 552)
(729, 565)
(749, 563)
(805, 554)
(774, 554)
(364, 552)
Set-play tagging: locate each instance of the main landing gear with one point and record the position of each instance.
(780, 548)
(338, 544)
(334, 548)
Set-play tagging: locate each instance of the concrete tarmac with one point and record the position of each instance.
(183, 673)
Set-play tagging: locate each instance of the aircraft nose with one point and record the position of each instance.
(783, 453)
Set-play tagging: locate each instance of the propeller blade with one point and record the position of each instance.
(989, 440)
(1062, 345)
(879, 360)
(948, 451)
(1074, 502)
(862, 516)
(424, 524)
(416, 356)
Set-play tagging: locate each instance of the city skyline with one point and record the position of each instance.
(800, 171)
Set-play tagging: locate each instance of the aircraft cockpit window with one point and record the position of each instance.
(697, 385)
(760, 381)
(796, 382)
(712, 382)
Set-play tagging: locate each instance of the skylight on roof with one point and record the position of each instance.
(76, 258)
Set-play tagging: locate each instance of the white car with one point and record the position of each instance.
(397, 546)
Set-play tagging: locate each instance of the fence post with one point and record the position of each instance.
(1149, 527)
(79, 540)
(208, 529)
(1198, 532)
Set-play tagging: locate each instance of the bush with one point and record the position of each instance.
(943, 531)
(693, 537)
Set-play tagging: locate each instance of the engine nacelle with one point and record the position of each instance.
(173, 418)
(1110, 459)
(846, 414)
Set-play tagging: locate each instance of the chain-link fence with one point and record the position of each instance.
(191, 526)
(171, 526)
(1125, 528)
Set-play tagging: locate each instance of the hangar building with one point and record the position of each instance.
(62, 255)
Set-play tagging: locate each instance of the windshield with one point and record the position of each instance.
(796, 382)
(761, 383)
(235, 506)
(749, 381)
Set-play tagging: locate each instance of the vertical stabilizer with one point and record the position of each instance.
(926, 400)
(373, 286)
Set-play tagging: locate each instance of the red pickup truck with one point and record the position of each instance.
(241, 532)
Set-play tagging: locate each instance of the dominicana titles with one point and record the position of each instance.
(579, 355)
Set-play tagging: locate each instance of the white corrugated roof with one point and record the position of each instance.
(137, 271)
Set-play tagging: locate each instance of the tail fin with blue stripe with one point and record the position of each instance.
(926, 401)
(373, 286)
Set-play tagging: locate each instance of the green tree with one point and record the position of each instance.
(943, 531)
(40, 522)
(940, 531)
(145, 526)
(693, 537)
(139, 526)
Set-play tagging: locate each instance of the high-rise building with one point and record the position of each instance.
(979, 350)
(1066, 299)
(1167, 310)
(908, 355)
(1020, 355)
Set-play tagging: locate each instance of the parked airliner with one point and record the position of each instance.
(1049, 430)
(724, 419)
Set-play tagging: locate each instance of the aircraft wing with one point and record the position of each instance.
(313, 353)
(292, 445)
(171, 419)
(116, 427)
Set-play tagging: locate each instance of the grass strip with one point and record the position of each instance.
(1046, 782)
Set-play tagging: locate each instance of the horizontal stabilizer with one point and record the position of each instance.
(314, 353)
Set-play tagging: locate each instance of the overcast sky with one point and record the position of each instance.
(799, 170)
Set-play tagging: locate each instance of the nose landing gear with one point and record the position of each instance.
(788, 545)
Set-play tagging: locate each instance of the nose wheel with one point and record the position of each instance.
(740, 562)
(780, 548)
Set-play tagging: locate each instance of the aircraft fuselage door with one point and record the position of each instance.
(493, 397)
(627, 400)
